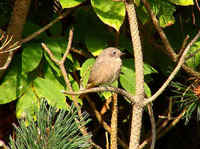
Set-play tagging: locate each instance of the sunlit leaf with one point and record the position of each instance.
(70, 3)
(110, 12)
(182, 2)
(31, 57)
(50, 89)
(13, 83)
(193, 60)
(26, 104)
(85, 71)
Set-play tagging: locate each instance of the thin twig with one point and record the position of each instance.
(173, 123)
(80, 52)
(102, 122)
(167, 45)
(197, 4)
(106, 106)
(160, 131)
(35, 34)
(153, 126)
(183, 45)
(102, 89)
(172, 75)
(44, 46)
(8, 61)
(163, 37)
(68, 46)
(107, 140)
(60, 63)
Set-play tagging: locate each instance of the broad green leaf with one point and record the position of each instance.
(147, 90)
(110, 12)
(50, 89)
(127, 78)
(8, 89)
(109, 94)
(182, 2)
(13, 83)
(27, 104)
(57, 46)
(85, 71)
(52, 64)
(31, 57)
(70, 3)
(129, 64)
(194, 60)
(95, 44)
(72, 64)
(75, 87)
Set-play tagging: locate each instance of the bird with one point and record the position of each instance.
(106, 68)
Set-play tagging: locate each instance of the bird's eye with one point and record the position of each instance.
(114, 52)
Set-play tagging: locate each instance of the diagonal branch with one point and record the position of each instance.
(165, 41)
(163, 37)
(174, 72)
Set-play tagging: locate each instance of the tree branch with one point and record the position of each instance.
(172, 75)
(153, 126)
(165, 41)
(137, 110)
(103, 89)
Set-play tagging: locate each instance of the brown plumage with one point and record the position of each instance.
(106, 69)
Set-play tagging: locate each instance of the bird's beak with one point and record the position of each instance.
(122, 54)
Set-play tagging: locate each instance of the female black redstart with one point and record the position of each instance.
(106, 69)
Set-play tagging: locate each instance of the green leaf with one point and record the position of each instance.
(129, 64)
(27, 104)
(127, 77)
(52, 64)
(75, 87)
(182, 2)
(85, 71)
(127, 80)
(8, 89)
(109, 94)
(13, 83)
(147, 90)
(194, 61)
(50, 89)
(31, 57)
(165, 14)
(110, 12)
(57, 46)
(70, 3)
